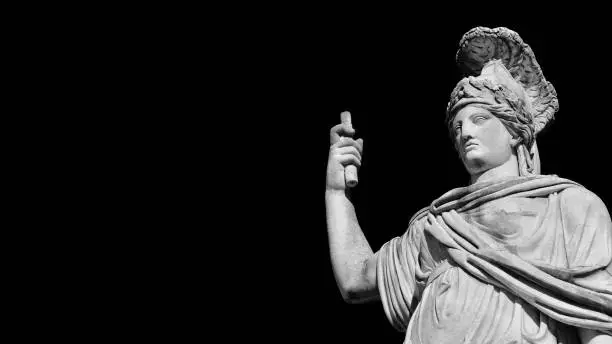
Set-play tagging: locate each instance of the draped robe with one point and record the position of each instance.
(519, 260)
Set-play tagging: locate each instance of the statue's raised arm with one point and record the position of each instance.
(352, 258)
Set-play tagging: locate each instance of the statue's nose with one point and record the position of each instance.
(467, 131)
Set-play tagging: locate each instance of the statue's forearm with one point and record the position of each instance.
(350, 251)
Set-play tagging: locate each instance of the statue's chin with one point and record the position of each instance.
(475, 164)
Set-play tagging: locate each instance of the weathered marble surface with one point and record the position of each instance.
(514, 257)
(522, 259)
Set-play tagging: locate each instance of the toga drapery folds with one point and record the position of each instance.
(522, 259)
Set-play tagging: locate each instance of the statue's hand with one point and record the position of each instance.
(343, 151)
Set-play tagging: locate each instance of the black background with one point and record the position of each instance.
(395, 76)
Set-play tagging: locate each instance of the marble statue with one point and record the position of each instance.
(515, 256)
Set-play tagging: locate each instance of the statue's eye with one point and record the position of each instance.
(479, 119)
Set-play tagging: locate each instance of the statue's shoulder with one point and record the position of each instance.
(579, 199)
(416, 223)
(419, 217)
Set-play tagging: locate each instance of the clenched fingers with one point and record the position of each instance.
(338, 131)
(347, 141)
(348, 150)
(349, 159)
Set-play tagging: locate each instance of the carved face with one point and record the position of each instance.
(481, 139)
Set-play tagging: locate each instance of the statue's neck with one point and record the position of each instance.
(508, 169)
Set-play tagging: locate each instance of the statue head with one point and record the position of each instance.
(503, 99)
(481, 139)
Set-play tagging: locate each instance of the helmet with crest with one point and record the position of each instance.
(502, 75)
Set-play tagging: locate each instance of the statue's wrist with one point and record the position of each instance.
(335, 191)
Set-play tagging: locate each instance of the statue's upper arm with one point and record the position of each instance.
(370, 270)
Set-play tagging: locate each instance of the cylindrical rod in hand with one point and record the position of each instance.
(350, 171)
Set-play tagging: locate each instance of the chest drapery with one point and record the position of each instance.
(543, 243)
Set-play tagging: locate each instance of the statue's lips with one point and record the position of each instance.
(469, 146)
